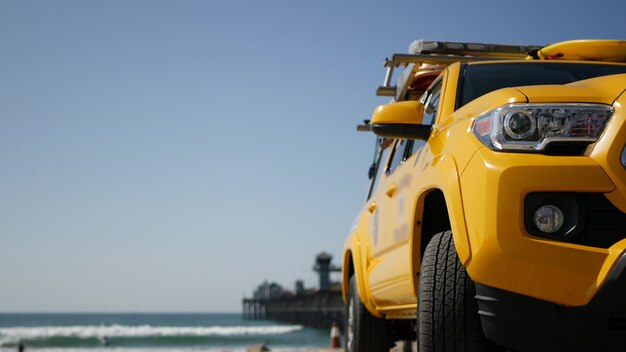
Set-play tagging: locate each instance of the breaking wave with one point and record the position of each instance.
(99, 335)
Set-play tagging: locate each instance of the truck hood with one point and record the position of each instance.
(604, 90)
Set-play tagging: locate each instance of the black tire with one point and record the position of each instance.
(447, 311)
(364, 332)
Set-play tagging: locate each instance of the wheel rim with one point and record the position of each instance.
(350, 332)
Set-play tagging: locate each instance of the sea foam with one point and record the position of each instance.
(44, 332)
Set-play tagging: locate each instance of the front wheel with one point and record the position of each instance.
(447, 312)
(364, 332)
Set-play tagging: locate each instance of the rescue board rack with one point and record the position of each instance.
(437, 53)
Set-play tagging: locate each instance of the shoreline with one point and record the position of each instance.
(399, 347)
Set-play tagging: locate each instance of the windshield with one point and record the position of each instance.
(484, 78)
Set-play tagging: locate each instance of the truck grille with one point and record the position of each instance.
(604, 224)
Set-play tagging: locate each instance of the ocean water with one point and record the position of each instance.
(151, 332)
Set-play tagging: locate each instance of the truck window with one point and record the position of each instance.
(431, 104)
(383, 149)
(399, 154)
(480, 79)
(415, 146)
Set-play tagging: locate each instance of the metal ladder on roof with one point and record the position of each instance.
(438, 53)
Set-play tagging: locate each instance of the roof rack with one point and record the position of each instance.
(424, 54)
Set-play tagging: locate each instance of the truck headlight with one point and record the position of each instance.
(532, 127)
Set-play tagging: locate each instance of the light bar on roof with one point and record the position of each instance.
(422, 46)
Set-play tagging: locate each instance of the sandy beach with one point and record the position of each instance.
(399, 348)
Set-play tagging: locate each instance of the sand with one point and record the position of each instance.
(399, 348)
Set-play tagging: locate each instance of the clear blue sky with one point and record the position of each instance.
(171, 155)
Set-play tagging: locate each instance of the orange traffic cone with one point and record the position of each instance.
(335, 341)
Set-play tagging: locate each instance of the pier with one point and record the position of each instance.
(316, 308)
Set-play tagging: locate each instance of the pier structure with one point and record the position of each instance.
(317, 308)
(324, 268)
(254, 309)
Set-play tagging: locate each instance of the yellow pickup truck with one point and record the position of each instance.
(496, 214)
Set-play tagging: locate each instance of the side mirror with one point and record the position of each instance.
(400, 120)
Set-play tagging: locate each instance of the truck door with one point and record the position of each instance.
(375, 198)
(391, 277)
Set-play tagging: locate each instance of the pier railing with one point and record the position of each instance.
(318, 309)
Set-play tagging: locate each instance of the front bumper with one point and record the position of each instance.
(527, 324)
(504, 255)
